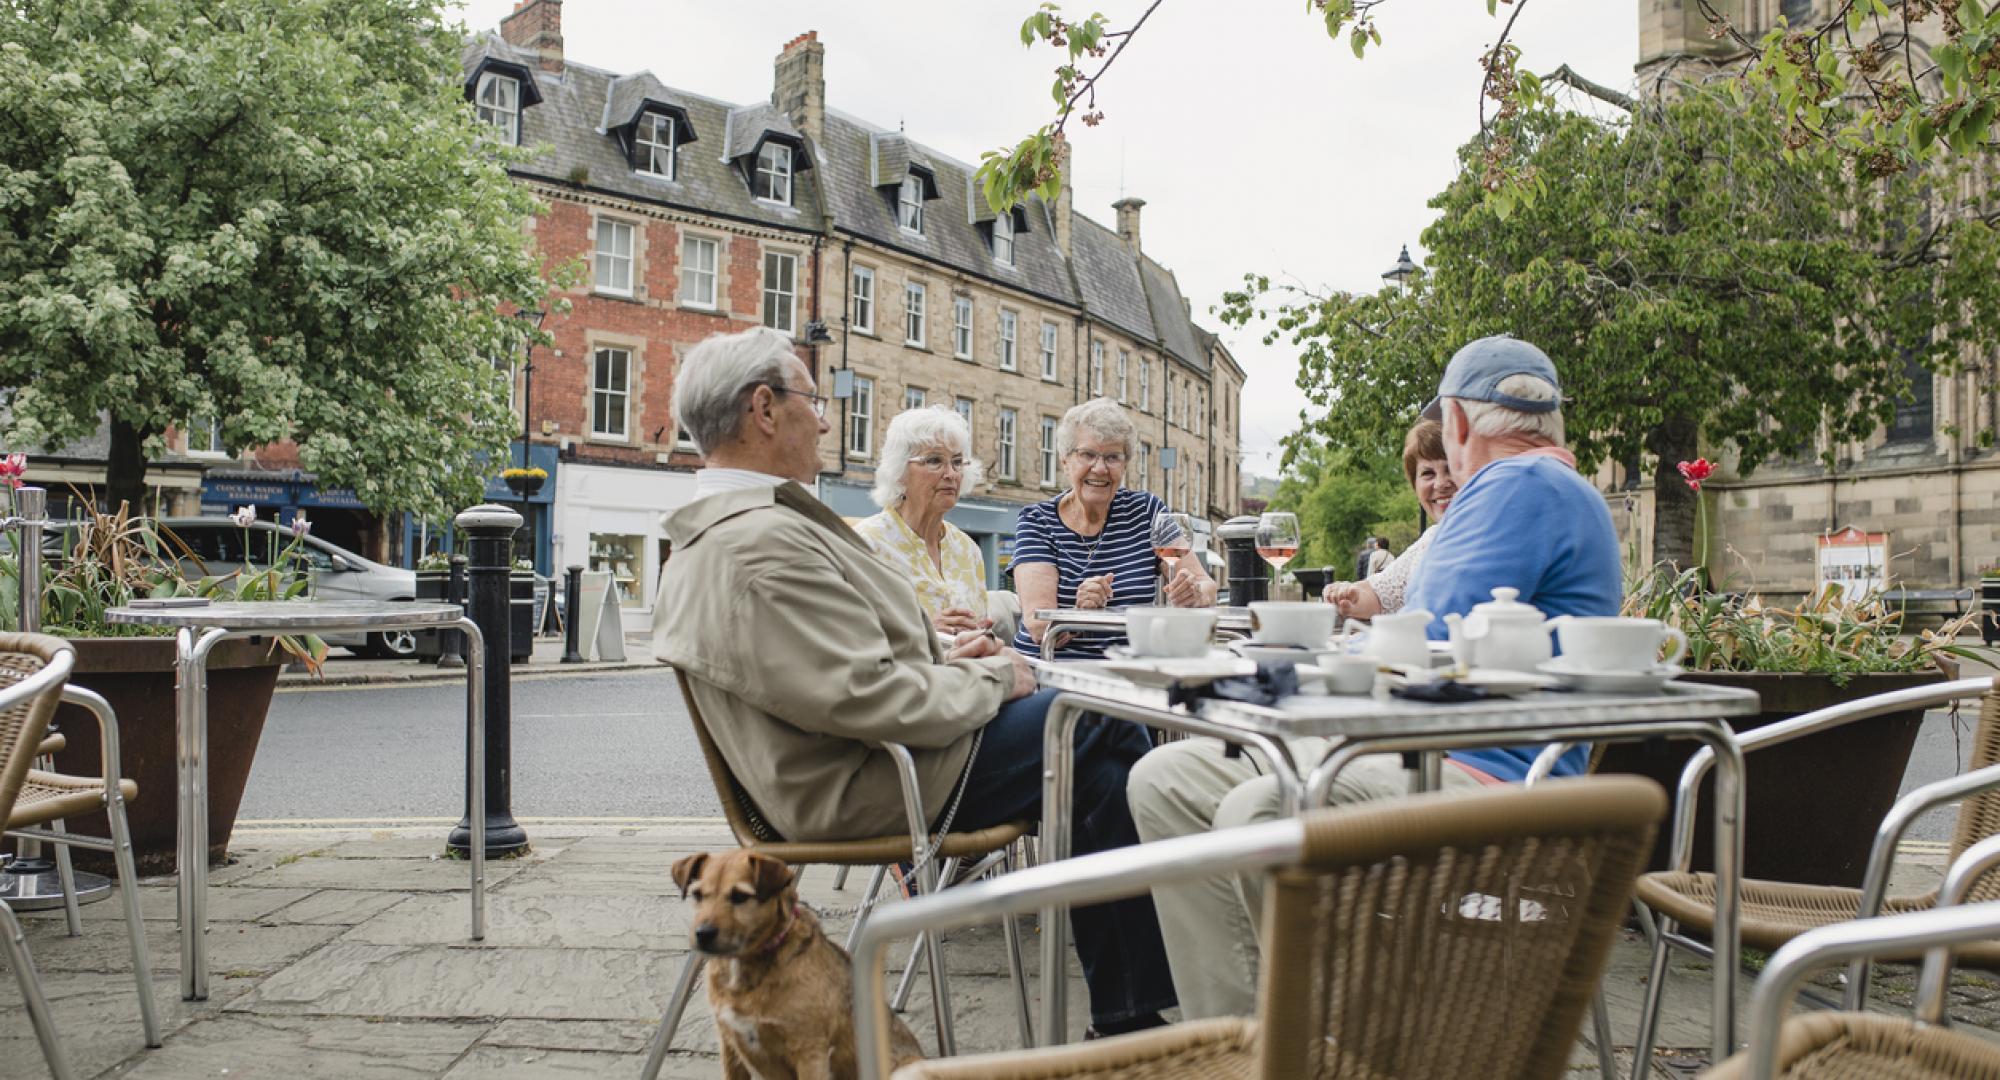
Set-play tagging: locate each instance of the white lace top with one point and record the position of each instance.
(1394, 579)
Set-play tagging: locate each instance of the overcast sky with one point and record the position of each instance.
(1258, 143)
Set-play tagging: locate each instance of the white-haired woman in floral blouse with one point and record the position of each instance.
(926, 465)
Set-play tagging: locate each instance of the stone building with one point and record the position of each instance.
(1924, 478)
(874, 251)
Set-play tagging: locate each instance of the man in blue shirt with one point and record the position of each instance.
(1523, 519)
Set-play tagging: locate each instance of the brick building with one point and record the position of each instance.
(874, 251)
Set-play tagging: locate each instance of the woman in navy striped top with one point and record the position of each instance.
(1091, 546)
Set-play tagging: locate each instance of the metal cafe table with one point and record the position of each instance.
(1359, 725)
(201, 628)
(1229, 622)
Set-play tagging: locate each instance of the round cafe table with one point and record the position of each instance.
(201, 628)
(1230, 622)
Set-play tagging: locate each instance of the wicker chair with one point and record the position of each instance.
(1868, 1046)
(1773, 913)
(33, 671)
(1426, 936)
(991, 847)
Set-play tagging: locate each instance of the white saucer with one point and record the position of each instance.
(1611, 682)
(1273, 654)
(1504, 683)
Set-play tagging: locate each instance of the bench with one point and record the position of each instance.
(1947, 604)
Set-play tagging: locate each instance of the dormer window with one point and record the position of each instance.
(499, 104)
(653, 145)
(774, 173)
(910, 205)
(1003, 238)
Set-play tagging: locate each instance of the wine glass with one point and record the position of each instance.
(1173, 537)
(1277, 541)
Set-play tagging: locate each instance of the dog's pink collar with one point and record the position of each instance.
(782, 934)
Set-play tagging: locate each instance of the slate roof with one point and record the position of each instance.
(490, 50)
(1109, 277)
(853, 174)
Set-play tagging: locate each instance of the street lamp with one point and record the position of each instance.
(1399, 274)
(534, 318)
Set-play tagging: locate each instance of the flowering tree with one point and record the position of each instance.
(276, 214)
(1695, 289)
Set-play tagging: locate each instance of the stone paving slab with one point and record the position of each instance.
(605, 1036)
(243, 948)
(244, 1047)
(587, 921)
(156, 901)
(402, 875)
(97, 1017)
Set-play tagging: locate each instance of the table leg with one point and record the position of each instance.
(1058, 786)
(194, 838)
(475, 705)
(184, 863)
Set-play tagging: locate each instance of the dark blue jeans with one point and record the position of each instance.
(1124, 962)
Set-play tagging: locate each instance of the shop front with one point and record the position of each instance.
(338, 517)
(607, 520)
(531, 540)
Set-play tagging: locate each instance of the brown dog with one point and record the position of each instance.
(782, 994)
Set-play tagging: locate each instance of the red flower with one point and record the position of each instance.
(12, 468)
(1694, 472)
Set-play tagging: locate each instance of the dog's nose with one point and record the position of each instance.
(704, 936)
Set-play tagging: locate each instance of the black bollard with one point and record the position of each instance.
(491, 531)
(572, 596)
(451, 643)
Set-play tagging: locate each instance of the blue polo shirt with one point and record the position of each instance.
(1532, 523)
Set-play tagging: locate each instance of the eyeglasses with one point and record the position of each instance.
(1091, 458)
(937, 462)
(818, 401)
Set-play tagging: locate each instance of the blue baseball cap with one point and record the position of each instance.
(1475, 373)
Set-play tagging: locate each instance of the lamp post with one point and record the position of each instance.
(534, 319)
(1399, 274)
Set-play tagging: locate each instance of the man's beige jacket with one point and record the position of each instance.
(806, 653)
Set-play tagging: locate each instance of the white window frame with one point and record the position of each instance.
(910, 205)
(964, 407)
(1145, 385)
(773, 172)
(1004, 463)
(915, 299)
(1145, 466)
(210, 428)
(1048, 451)
(646, 136)
(605, 263)
(861, 418)
(913, 398)
(961, 327)
(499, 104)
(1049, 336)
(781, 290)
(601, 390)
(1124, 375)
(684, 442)
(1096, 369)
(1167, 396)
(1010, 331)
(1003, 238)
(694, 275)
(862, 289)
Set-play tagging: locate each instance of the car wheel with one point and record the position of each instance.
(393, 645)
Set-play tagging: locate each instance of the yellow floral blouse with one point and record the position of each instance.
(963, 583)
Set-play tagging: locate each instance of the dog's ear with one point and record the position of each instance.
(772, 876)
(687, 870)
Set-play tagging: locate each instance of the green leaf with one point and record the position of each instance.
(1358, 41)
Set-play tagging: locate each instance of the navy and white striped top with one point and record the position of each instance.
(1124, 549)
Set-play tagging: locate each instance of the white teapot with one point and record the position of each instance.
(1502, 633)
(1399, 638)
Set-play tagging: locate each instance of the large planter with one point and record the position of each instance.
(432, 585)
(1989, 603)
(1813, 804)
(136, 675)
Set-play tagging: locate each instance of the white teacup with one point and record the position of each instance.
(1292, 622)
(1347, 674)
(1612, 643)
(1169, 631)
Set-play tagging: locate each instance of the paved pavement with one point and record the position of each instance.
(343, 953)
(344, 669)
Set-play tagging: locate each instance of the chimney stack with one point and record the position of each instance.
(1065, 198)
(799, 85)
(536, 25)
(1128, 221)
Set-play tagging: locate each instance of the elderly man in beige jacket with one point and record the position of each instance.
(805, 653)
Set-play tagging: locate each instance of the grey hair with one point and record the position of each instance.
(709, 387)
(914, 430)
(1101, 417)
(1492, 420)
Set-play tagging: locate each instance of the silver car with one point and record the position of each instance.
(216, 545)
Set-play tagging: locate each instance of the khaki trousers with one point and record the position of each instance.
(1210, 927)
